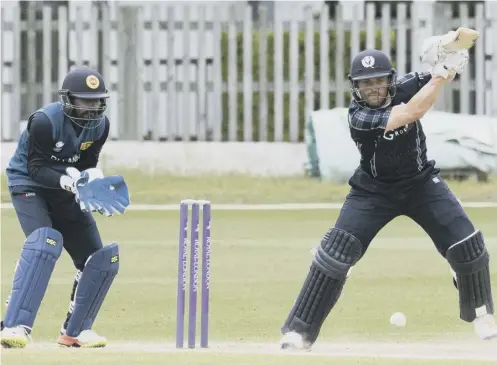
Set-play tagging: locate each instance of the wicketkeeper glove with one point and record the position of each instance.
(94, 192)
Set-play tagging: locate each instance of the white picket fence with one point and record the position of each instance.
(210, 71)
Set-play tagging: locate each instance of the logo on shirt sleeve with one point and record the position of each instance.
(85, 145)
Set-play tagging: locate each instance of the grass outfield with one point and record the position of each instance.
(162, 189)
(85, 357)
(258, 262)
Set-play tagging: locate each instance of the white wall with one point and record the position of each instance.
(262, 159)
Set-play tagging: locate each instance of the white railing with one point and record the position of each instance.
(214, 71)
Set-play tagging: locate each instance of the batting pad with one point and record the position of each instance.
(470, 261)
(100, 270)
(337, 253)
(41, 251)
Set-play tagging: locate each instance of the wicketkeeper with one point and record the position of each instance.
(55, 186)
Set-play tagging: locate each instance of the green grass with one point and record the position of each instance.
(259, 261)
(78, 357)
(162, 189)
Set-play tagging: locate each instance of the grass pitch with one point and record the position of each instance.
(258, 263)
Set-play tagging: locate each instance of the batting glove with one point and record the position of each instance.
(454, 63)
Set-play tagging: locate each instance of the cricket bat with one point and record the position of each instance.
(462, 38)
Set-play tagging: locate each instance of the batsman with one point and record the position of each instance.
(55, 186)
(395, 178)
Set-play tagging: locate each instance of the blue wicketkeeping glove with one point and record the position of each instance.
(108, 195)
(94, 192)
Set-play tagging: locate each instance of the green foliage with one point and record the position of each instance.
(269, 57)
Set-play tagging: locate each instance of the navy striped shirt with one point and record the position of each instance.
(397, 154)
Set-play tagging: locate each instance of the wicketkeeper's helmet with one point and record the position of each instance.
(83, 83)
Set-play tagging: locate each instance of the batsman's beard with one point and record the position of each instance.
(375, 99)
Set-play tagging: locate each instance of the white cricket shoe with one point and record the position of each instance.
(86, 339)
(294, 341)
(15, 337)
(485, 327)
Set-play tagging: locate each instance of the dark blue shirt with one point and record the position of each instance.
(51, 143)
(394, 155)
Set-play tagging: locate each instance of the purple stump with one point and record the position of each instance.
(182, 263)
(206, 275)
(194, 261)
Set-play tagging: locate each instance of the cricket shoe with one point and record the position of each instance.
(15, 337)
(485, 327)
(86, 339)
(293, 341)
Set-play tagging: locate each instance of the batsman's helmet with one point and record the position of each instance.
(83, 83)
(371, 64)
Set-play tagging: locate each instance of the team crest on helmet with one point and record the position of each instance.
(92, 82)
(368, 61)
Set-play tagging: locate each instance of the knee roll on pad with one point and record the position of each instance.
(100, 270)
(41, 250)
(469, 259)
(336, 254)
